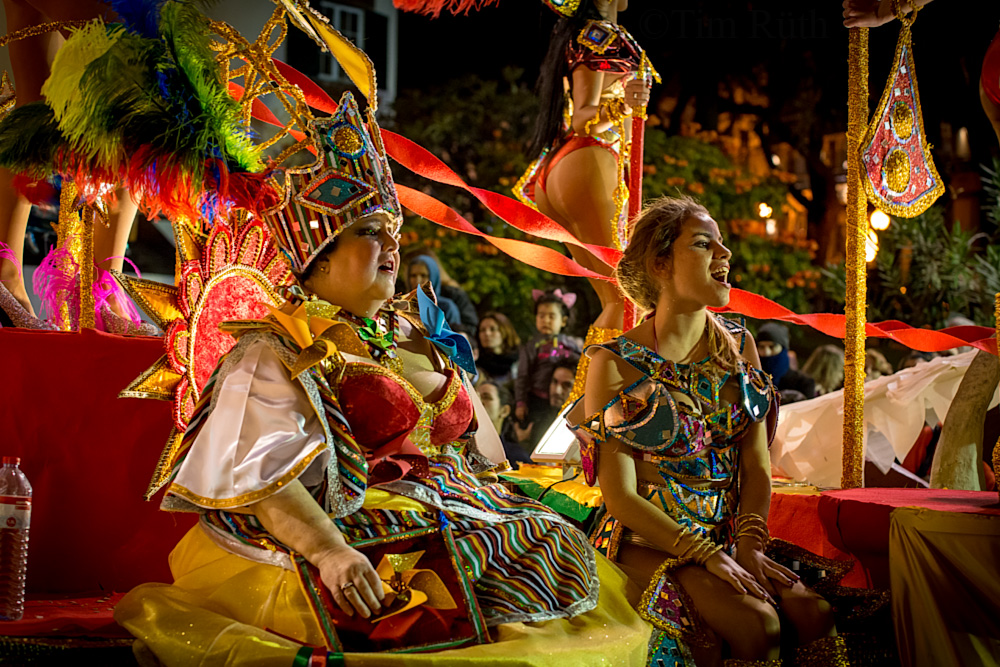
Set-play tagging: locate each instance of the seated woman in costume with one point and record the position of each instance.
(592, 77)
(680, 416)
(343, 421)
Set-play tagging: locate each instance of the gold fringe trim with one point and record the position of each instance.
(595, 336)
(825, 652)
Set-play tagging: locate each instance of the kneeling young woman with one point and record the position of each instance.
(675, 424)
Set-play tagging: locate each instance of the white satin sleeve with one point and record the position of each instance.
(261, 434)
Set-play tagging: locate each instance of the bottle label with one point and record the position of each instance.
(15, 512)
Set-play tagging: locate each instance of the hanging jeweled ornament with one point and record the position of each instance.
(899, 173)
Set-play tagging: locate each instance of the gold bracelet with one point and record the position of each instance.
(752, 525)
(695, 547)
(592, 122)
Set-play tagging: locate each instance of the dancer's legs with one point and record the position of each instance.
(110, 242)
(30, 58)
(749, 626)
(579, 195)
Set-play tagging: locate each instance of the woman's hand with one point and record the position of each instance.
(750, 556)
(867, 13)
(637, 93)
(725, 568)
(521, 412)
(523, 434)
(353, 582)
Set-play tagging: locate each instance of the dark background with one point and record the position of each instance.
(798, 50)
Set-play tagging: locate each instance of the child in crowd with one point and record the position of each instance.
(539, 356)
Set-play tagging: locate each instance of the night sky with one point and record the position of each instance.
(695, 45)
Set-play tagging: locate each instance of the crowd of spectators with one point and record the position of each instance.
(524, 383)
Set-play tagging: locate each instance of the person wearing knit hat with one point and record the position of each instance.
(773, 348)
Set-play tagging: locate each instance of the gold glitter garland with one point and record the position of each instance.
(40, 29)
(996, 448)
(85, 262)
(595, 335)
(75, 234)
(261, 77)
(68, 237)
(857, 292)
(825, 652)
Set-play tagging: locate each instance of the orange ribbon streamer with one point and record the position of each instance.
(422, 162)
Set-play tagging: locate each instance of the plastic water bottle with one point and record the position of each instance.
(15, 519)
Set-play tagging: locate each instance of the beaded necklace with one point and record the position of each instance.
(380, 334)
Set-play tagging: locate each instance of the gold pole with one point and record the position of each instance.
(85, 260)
(857, 293)
(68, 237)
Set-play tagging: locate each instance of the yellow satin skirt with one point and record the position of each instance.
(217, 610)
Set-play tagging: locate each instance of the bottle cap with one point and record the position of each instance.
(12, 460)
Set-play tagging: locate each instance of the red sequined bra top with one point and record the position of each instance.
(384, 410)
(603, 46)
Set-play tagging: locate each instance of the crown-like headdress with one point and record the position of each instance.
(350, 180)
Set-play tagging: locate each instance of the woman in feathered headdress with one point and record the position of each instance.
(345, 471)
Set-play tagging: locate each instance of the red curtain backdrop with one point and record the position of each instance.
(89, 456)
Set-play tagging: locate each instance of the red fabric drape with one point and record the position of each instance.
(89, 456)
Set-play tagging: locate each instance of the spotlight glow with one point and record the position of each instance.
(880, 221)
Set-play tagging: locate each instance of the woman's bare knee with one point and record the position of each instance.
(756, 633)
(750, 627)
(809, 614)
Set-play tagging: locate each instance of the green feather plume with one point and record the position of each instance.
(62, 89)
(187, 33)
(30, 139)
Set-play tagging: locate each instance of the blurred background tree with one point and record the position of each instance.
(923, 273)
(480, 129)
(766, 260)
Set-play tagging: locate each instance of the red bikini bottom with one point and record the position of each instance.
(575, 142)
(991, 72)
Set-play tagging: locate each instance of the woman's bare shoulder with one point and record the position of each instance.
(607, 376)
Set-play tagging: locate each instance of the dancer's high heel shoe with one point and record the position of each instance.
(19, 315)
(116, 324)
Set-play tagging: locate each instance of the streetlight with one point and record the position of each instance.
(880, 221)
(871, 246)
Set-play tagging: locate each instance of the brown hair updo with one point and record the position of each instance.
(653, 236)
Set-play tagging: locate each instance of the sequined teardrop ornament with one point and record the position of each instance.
(899, 173)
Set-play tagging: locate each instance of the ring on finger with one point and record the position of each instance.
(348, 586)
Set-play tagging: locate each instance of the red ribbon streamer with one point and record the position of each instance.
(422, 162)
(538, 256)
(925, 340)
(315, 96)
